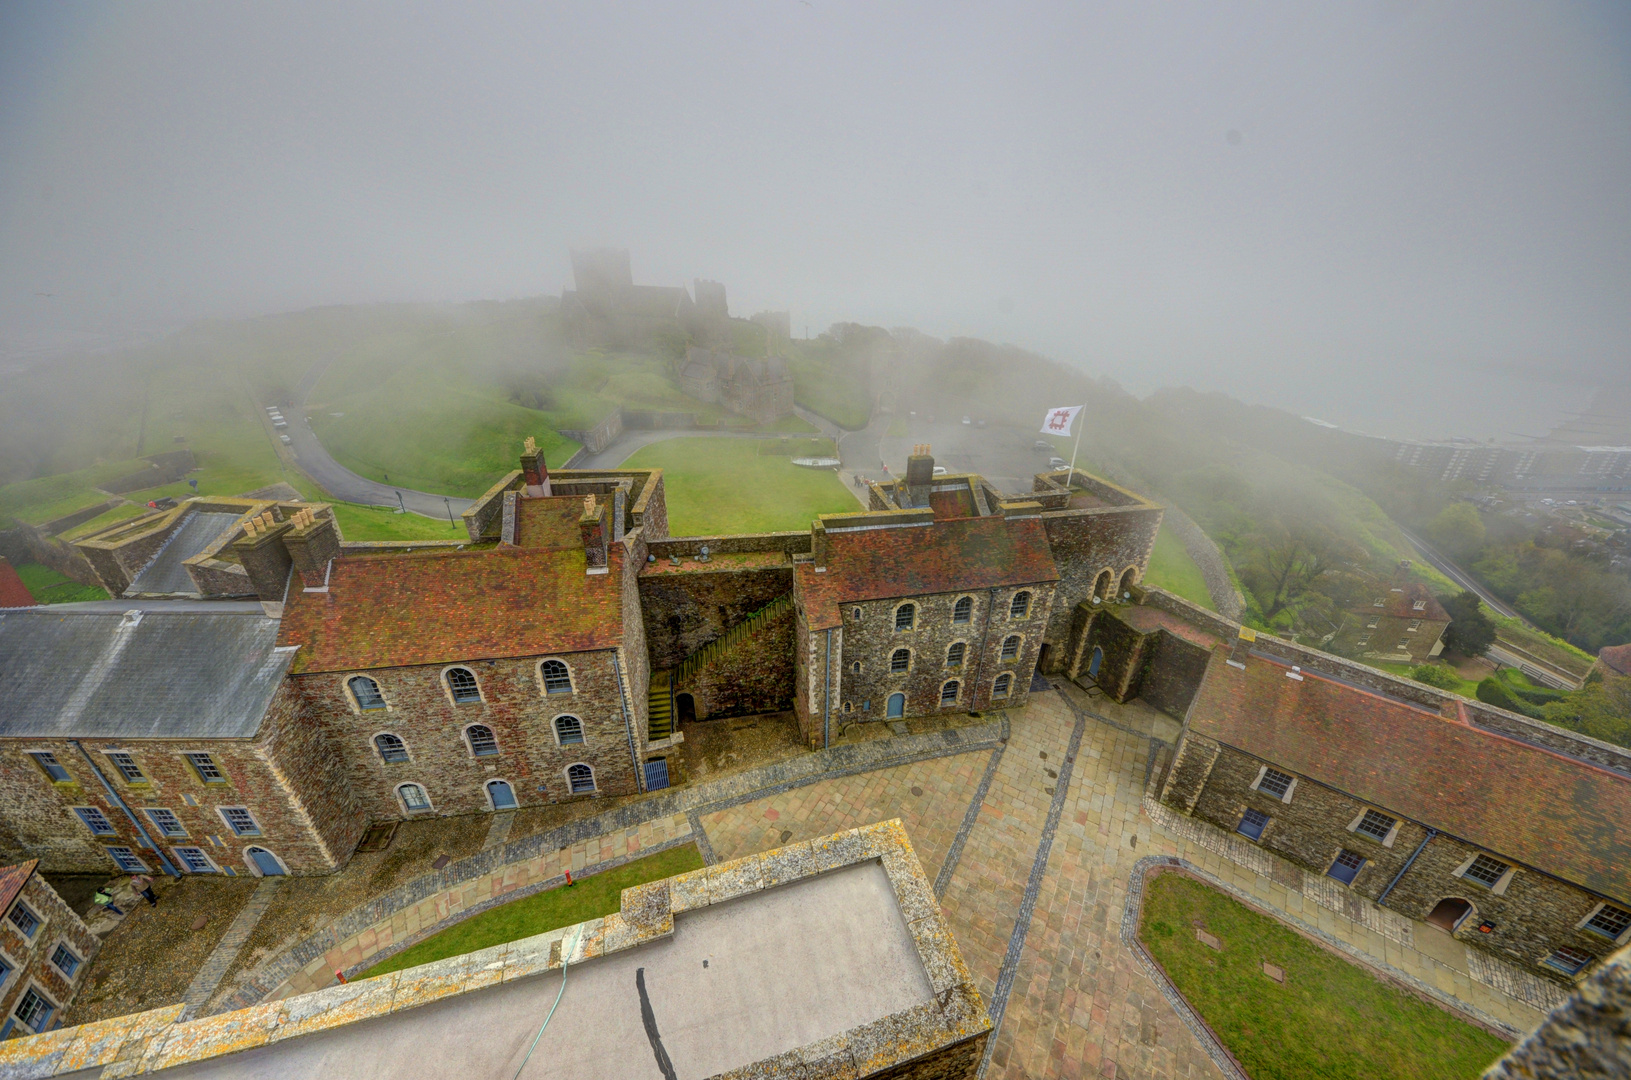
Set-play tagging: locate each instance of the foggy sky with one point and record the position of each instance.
(1402, 217)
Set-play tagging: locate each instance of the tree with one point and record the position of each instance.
(1458, 530)
(1471, 632)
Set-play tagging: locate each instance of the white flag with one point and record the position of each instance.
(1058, 421)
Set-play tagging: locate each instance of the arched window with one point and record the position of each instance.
(390, 747)
(1129, 578)
(482, 742)
(1010, 647)
(462, 681)
(900, 660)
(954, 655)
(948, 692)
(963, 610)
(366, 691)
(1004, 683)
(414, 799)
(1021, 605)
(857, 613)
(905, 616)
(848, 707)
(557, 680)
(581, 779)
(502, 794)
(856, 667)
(568, 730)
(1101, 585)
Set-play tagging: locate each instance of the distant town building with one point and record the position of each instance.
(1403, 623)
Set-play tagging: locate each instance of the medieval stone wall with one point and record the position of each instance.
(1172, 677)
(753, 674)
(30, 956)
(40, 812)
(312, 775)
(684, 611)
(1086, 543)
(1528, 916)
(421, 712)
(1124, 652)
(871, 640)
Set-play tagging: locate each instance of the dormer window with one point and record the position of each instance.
(1379, 602)
(1419, 605)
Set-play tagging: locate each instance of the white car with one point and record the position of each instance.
(1058, 463)
(966, 420)
(285, 439)
(940, 470)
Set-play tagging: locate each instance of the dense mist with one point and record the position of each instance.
(1405, 218)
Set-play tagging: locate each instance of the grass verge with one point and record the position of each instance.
(358, 522)
(719, 485)
(1172, 569)
(1329, 1019)
(50, 587)
(542, 912)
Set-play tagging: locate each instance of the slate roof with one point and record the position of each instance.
(1554, 813)
(1398, 602)
(13, 593)
(468, 605)
(948, 556)
(166, 574)
(162, 675)
(1616, 658)
(12, 880)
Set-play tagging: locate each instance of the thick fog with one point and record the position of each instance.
(1408, 218)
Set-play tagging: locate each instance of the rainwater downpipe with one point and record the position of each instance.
(129, 813)
(826, 697)
(1431, 833)
(628, 728)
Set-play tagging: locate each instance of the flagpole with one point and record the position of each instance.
(1080, 424)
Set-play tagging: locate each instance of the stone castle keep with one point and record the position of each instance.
(263, 691)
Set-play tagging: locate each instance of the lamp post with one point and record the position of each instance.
(449, 512)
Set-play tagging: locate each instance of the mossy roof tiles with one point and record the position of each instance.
(1555, 813)
(1399, 602)
(947, 556)
(549, 524)
(432, 609)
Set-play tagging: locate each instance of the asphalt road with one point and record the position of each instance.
(339, 481)
(1458, 575)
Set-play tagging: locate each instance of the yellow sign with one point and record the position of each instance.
(1248, 634)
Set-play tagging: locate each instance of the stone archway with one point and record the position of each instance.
(1448, 913)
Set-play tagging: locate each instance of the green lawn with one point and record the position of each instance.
(830, 389)
(1172, 569)
(122, 512)
(384, 523)
(51, 497)
(1465, 687)
(720, 485)
(50, 587)
(1330, 1019)
(589, 898)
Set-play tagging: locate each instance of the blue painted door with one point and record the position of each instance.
(503, 795)
(1093, 664)
(265, 863)
(897, 705)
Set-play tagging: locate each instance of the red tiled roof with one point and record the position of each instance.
(1557, 814)
(1399, 602)
(1617, 658)
(12, 880)
(1147, 620)
(948, 556)
(13, 593)
(957, 503)
(549, 524)
(431, 609)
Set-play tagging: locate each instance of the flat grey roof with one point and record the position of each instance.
(166, 574)
(152, 674)
(737, 982)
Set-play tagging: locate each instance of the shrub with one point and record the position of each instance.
(1492, 691)
(1436, 675)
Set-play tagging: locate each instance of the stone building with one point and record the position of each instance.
(1403, 623)
(163, 736)
(607, 308)
(45, 950)
(1508, 834)
(761, 390)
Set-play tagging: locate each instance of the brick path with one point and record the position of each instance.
(226, 950)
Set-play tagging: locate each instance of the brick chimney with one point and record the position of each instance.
(534, 470)
(312, 542)
(919, 475)
(592, 527)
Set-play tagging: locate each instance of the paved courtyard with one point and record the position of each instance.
(1033, 844)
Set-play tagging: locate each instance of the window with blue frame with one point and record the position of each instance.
(24, 919)
(1252, 823)
(65, 960)
(1346, 867)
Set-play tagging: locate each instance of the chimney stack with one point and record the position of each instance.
(919, 475)
(312, 543)
(534, 470)
(592, 527)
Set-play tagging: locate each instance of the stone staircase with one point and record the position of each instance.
(692, 665)
(660, 706)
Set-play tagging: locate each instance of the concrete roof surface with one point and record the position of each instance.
(162, 675)
(737, 982)
(166, 574)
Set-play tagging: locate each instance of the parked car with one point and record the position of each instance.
(966, 420)
(285, 439)
(1042, 446)
(940, 470)
(1058, 463)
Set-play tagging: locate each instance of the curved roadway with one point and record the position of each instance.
(1459, 576)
